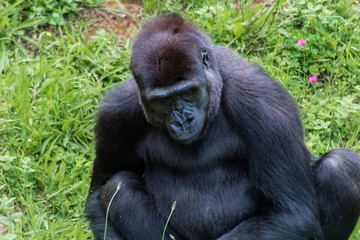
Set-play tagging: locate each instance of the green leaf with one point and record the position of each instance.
(4, 59)
(3, 23)
(219, 28)
(238, 29)
(208, 26)
(9, 8)
(283, 32)
(340, 122)
(30, 23)
(256, 9)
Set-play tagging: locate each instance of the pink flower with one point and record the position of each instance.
(291, 17)
(302, 42)
(147, 21)
(128, 23)
(313, 79)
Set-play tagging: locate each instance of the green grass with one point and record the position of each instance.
(51, 89)
(49, 98)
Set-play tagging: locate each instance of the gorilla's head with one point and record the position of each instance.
(180, 87)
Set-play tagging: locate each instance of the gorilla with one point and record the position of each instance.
(200, 126)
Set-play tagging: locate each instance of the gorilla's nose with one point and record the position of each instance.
(181, 123)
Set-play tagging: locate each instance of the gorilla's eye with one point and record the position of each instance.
(188, 93)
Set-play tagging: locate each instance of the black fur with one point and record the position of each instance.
(247, 177)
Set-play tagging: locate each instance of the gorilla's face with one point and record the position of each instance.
(176, 90)
(180, 108)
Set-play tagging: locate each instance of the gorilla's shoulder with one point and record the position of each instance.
(122, 101)
(235, 68)
(126, 90)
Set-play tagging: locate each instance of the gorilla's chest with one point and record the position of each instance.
(208, 180)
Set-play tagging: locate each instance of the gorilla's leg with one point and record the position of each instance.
(337, 183)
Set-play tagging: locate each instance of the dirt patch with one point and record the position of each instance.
(121, 18)
(4, 226)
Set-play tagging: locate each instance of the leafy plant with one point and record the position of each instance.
(242, 27)
(54, 11)
(331, 52)
(11, 28)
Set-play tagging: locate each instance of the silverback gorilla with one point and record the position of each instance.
(201, 126)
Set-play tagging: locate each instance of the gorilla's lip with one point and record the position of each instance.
(186, 138)
(189, 134)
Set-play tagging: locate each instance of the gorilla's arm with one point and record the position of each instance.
(120, 124)
(266, 117)
(132, 215)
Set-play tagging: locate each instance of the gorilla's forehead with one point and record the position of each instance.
(169, 72)
(165, 59)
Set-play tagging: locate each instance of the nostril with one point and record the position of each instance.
(189, 120)
(189, 114)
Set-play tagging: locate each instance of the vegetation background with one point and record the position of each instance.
(58, 58)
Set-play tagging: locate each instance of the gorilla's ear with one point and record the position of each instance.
(205, 59)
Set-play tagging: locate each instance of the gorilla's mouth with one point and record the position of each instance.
(187, 134)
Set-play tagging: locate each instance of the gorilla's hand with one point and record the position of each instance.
(121, 188)
(125, 198)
